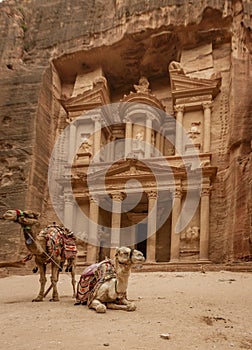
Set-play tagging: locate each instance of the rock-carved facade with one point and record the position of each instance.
(137, 148)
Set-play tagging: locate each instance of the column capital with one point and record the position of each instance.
(117, 196)
(68, 198)
(127, 120)
(93, 199)
(177, 193)
(150, 117)
(151, 194)
(179, 108)
(205, 191)
(96, 118)
(207, 105)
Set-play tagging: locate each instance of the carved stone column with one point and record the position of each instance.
(207, 126)
(117, 198)
(128, 136)
(158, 142)
(204, 223)
(152, 225)
(148, 136)
(93, 230)
(179, 129)
(72, 138)
(175, 236)
(68, 209)
(162, 142)
(97, 136)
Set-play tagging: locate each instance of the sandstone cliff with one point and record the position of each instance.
(39, 35)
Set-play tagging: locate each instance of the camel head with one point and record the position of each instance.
(27, 217)
(127, 256)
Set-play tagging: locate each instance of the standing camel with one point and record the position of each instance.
(104, 285)
(54, 244)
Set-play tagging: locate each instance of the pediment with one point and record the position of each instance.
(182, 85)
(95, 97)
(135, 169)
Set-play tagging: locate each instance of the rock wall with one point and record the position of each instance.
(37, 33)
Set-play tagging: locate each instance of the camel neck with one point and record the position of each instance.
(30, 239)
(122, 274)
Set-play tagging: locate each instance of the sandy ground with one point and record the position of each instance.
(198, 311)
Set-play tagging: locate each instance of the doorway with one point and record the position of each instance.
(141, 235)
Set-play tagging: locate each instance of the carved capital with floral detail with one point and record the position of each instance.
(177, 193)
(151, 194)
(179, 108)
(207, 105)
(117, 196)
(93, 199)
(205, 191)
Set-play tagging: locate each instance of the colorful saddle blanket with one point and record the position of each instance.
(59, 242)
(91, 279)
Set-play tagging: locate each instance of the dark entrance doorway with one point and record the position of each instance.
(142, 238)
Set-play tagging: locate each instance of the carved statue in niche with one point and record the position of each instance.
(143, 85)
(194, 131)
(140, 135)
(86, 146)
(138, 146)
(176, 67)
(190, 238)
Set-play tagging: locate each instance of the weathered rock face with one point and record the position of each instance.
(45, 44)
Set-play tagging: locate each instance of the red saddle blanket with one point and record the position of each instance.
(91, 279)
(59, 242)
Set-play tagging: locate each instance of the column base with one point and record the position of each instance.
(204, 261)
(174, 261)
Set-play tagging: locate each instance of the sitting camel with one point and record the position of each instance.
(54, 244)
(104, 285)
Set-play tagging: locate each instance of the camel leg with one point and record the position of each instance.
(42, 280)
(73, 278)
(54, 280)
(126, 306)
(98, 306)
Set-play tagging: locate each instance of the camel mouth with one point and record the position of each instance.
(8, 216)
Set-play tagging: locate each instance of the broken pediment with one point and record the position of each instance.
(89, 99)
(184, 86)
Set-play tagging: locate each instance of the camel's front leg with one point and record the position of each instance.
(98, 306)
(54, 280)
(42, 280)
(73, 278)
(124, 305)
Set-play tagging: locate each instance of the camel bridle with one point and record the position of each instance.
(128, 261)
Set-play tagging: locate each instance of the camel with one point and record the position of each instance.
(50, 245)
(104, 285)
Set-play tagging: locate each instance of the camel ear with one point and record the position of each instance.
(117, 251)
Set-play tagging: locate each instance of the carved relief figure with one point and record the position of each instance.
(140, 135)
(191, 234)
(143, 85)
(194, 131)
